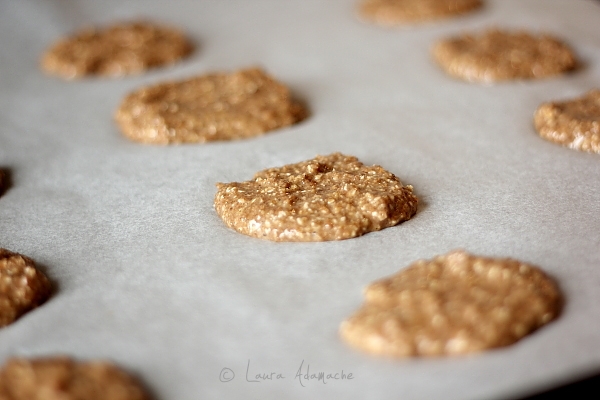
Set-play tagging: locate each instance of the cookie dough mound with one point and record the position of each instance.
(3, 181)
(453, 304)
(117, 50)
(60, 378)
(574, 124)
(212, 107)
(497, 55)
(22, 286)
(397, 12)
(330, 197)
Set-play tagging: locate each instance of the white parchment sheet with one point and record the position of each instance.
(148, 276)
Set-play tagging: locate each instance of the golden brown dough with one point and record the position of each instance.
(116, 50)
(330, 197)
(211, 107)
(573, 123)
(398, 12)
(498, 55)
(453, 304)
(22, 286)
(60, 378)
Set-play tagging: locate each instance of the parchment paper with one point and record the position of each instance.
(148, 276)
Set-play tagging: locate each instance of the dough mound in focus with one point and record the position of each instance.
(453, 304)
(330, 197)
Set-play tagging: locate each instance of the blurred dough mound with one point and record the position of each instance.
(398, 12)
(573, 123)
(22, 286)
(116, 50)
(60, 378)
(207, 108)
(498, 55)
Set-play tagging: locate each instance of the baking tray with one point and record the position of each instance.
(147, 274)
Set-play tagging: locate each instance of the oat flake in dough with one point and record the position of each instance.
(327, 198)
(457, 303)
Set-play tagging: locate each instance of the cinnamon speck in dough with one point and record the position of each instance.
(217, 106)
(398, 12)
(498, 55)
(330, 197)
(457, 303)
(116, 50)
(573, 123)
(22, 286)
(61, 378)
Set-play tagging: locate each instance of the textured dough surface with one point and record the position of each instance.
(453, 304)
(497, 55)
(22, 286)
(211, 107)
(116, 50)
(573, 123)
(397, 12)
(330, 197)
(60, 378)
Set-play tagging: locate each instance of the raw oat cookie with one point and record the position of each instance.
(574, 123)
(397, 12)
(116, 50)
(498, 55)
(330, 197)
(453, 304)
(3, 181)
(211, 107)
(61, 378)
(22, 286)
